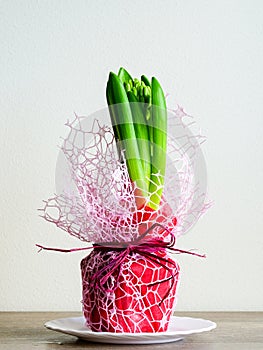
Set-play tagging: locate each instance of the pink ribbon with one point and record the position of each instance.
(143, 246)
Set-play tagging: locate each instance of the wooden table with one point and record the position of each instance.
(235, 330)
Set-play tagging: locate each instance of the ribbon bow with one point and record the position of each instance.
(143, 245)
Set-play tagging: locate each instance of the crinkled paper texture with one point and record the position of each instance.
(140, 296)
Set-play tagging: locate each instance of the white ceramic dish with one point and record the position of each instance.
(179, 328)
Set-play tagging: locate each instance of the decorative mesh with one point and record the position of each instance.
(100, 205)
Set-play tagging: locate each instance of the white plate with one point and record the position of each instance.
(179, 328)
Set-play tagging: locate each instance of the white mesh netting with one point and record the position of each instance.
(139, 296)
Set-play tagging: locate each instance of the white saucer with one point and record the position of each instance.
(179, 328)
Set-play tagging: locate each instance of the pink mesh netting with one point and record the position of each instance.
(99, 205)
(127, 290)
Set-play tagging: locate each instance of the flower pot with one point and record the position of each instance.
(136, 295)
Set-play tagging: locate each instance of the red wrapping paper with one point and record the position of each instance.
(137, 297)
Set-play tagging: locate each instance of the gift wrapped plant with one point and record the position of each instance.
(135, 187)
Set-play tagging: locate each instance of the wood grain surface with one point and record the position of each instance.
(235, 330)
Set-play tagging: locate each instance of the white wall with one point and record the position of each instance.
(54, 60)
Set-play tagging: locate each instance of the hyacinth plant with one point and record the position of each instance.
(139, 119)
(119, 196)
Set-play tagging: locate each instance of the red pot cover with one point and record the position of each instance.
(138, 296)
